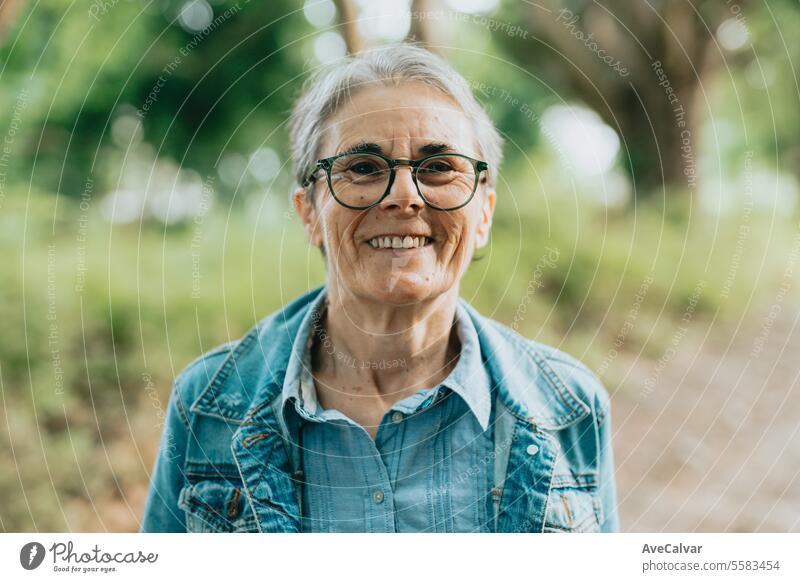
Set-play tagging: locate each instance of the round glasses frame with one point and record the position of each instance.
(327, 165)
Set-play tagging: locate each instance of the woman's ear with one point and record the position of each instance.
(485, 224)
(307, 211)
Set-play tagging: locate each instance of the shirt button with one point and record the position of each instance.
(377, 496)
(397, 417)
(532, 449)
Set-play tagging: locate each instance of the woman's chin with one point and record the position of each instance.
(403, 288)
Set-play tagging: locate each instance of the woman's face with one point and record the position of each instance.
(409, 121)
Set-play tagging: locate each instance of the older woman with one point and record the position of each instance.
(382, 402)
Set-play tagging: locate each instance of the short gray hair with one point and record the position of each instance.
(328, 89)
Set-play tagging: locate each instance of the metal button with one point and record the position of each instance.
(397, 417)
(377, 496)
(532, 449)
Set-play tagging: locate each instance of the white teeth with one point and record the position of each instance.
(397, 242)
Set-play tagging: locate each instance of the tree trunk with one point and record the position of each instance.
(348, 24)
(9, 9)
(657, 135)
(422, 30)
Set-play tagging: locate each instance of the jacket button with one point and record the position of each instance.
(377, 496)
(397, 417)
(532, 449)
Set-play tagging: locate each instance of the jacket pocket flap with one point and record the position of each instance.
(574, 508)
(216, 506)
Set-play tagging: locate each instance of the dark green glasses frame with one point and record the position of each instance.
(327, 164)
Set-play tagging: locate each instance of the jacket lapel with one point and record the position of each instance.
(246, 390)
(259, 449)
(527, 481)
(538, 403)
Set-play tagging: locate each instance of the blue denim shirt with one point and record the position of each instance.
(424, 472)
(227, 462)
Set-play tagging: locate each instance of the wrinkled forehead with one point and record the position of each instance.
(404, 120)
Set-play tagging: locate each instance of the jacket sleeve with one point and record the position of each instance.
(161, 512)
(607, 487)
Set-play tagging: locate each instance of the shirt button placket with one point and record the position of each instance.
(380, 511)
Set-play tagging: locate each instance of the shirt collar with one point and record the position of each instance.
(469, 379)
(299, 358)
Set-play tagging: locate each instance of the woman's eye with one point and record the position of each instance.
(437, 168)
(363, 168)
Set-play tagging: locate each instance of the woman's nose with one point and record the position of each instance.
(403, 194)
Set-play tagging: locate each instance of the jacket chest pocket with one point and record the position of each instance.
(573, 507)
(216, 506)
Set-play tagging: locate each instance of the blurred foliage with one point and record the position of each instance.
(235, 81)
(228, 91)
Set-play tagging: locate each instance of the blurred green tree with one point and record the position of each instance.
(645, 67)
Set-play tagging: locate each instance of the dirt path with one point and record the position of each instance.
(710, 441)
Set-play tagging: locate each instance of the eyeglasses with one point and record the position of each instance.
(362, 180)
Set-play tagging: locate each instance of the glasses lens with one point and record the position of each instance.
(359, 180)
(446, 181)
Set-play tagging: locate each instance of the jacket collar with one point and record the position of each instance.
(247, 384)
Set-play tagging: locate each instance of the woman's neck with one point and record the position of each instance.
(366, 349)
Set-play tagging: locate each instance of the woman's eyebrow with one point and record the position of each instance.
(363, 147)
(436, 148)
(372, 148)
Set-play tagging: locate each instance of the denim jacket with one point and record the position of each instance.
(226, 465)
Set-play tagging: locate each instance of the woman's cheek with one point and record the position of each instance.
(461, 252)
